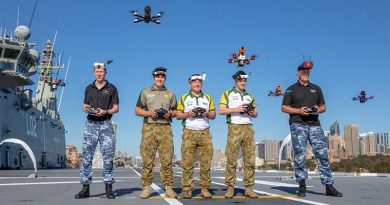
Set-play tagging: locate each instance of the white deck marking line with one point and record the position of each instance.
(277, 195)
(161, 192)
(45, 183)
(270, 183)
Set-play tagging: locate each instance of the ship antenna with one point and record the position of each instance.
(63, 87)
(52, 49)
(32, 15)
(17, 19)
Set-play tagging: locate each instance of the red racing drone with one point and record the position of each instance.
(240, 58)
(277, 93)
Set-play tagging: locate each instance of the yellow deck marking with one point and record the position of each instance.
(235, 197)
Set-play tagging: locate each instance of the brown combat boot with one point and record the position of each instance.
(249, 192)
(205, 192)
(169, 192)
(145, 193)
(229, 192)
(187, 194)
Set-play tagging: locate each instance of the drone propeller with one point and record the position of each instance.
(136, 20)
(161, 13)
(134, 12)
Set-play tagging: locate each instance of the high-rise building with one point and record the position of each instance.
(382, 140)
(351, 138)
(335, 148)
(335, 129)
(260, 150)
(371, 144)
(271, 149)
(362, 145)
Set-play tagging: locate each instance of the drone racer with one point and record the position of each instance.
(240, 58)
(147, 17)
(362, 98)
(277, 93)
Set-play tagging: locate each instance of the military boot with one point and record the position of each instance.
(331, 191)
(302, 189)
(84, 193)
(229, 192)
(205, 192)
(145, 193)
(249, 192)
(169, 192)
(187, 194)
(109, 192)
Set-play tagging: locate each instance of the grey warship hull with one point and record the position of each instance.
(44, 135)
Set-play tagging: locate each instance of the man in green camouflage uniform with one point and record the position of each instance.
(240, 108)
(157, 105)
(195, 109)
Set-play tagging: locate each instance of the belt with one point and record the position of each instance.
(157, 124)
(98, 122)
(205, 130)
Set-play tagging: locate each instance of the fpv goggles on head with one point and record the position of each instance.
(240, 75)
(160, 71)
(197, 77)
(99, 65)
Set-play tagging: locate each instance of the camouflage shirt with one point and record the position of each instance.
(152, 98)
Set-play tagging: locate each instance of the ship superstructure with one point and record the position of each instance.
(33, 119)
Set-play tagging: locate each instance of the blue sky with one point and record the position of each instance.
(348, 41)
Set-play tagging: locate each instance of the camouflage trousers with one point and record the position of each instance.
(103, 133)
(300, 134)
(193, 141)
(240, 136)
(156, 137)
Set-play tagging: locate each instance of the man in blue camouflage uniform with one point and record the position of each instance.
(100, 102)
(304, 101)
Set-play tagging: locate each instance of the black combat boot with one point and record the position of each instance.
(109, 193)
(302, 189)
(84, 193)
(331, 191)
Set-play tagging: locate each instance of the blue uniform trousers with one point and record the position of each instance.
(300, 135)
(103, 133)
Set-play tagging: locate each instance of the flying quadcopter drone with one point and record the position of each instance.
(362, 97)
(147, 17)
(240, 58)
(277, 93)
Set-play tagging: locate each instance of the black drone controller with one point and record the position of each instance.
(198, 111)
(312, 110)
(92, 110)
(161, 112)
(248, 109)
